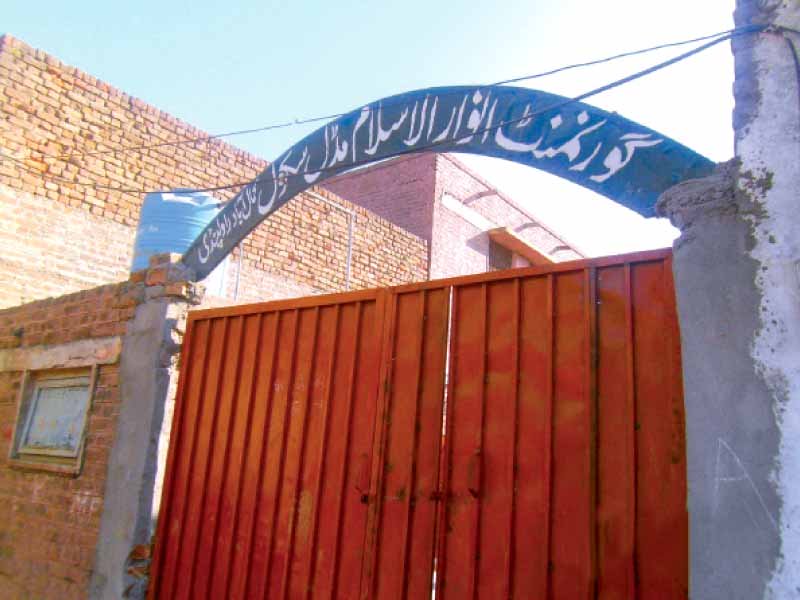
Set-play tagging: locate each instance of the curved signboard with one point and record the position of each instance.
(602, 151)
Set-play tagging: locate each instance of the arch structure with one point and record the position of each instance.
(602, 151)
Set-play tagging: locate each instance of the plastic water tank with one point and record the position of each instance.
(170, 222)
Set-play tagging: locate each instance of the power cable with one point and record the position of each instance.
(614, 57)
(295, 122)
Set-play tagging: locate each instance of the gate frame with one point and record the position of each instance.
(385, 307)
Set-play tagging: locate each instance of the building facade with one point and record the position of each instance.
(68, 192)
(438, 198)
(75, 153)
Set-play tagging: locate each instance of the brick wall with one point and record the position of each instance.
(49, 109)
(451, 230)
(399, 190)
(307, 241)
(455, 178)
(49, 522)
(408, 191)
(50, 248)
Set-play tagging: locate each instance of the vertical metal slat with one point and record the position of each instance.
(293, 508)
(321, 462)
(343, 466)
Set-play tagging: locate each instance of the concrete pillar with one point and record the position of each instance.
(148, 378)
(737, 275)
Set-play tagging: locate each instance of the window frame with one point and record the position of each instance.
(66, 462)
(46, 383)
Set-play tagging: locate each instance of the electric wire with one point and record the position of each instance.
(261, 179)
(426, 147)
(618, 56)
(192, 140)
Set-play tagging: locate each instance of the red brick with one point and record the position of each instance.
(90, 230)
(49, 523)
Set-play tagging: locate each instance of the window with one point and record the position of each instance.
(51, 423)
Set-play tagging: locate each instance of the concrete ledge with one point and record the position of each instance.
(80, 353)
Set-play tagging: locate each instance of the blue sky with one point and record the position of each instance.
(253, 63)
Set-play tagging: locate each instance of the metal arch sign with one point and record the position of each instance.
(602, 151)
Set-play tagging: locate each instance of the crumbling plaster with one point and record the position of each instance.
(768, 145)
(731, 433)
(737, 273)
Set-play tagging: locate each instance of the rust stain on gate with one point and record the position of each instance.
(517, 434)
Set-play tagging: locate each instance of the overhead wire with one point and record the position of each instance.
(637, 75)
(614, 57)
(295, 122)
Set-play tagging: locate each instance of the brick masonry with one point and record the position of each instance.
(49, 249)
(49, 522)
(398, 190)
(457, 180)
(61, 234)
(314, 253)
(408, 191)
(49, 109)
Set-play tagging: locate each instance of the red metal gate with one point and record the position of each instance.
(509, 435)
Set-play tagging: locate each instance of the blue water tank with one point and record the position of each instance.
(170, 222)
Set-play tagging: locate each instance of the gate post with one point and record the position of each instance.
(148, 379)
(737, 277)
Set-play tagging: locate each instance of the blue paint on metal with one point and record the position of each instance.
(602, 151)
(170, 222)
